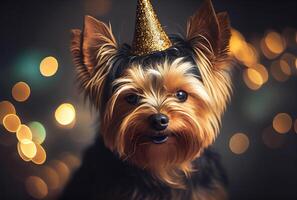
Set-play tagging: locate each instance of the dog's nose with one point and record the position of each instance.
(159, 121)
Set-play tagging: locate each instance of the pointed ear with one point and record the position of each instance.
(209, 32)
(92, 49)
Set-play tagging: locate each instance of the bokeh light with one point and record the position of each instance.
(21, 154)
(51, 177)
(40, 156)
(24, 132)
(6, 108)
(239, 143)
(274, 42)
(36, 187)
(271, 139)
(262, 70)
(48, 66)
(38, 132)
(282, 123)
(70, 160)
(62, 170)
(28, 148)
(284, 66)
(277, 72)
(242, 50)
(65, 114)
(295, 125)
(11, 122)
(21, 91)
(252, 78)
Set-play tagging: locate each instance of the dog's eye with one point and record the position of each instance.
(181, 95)
(132, 99)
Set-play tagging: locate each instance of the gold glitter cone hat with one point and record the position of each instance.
(149, 35)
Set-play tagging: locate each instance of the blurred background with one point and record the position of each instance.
(45, 125)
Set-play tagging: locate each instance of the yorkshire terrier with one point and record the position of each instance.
(160, 102)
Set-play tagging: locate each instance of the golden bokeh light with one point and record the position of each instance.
(48, 66)
(262, 70)
(21, 91)
(11, 122)
(70, 160)
(51, 177)
(271, 139)
(295, 125)
(243, 51)
(284, 66)
(267, 53)
(282, 123)
(24, 132)
(62, 170)
(289, 58)
(252, 78)
(28, 148)
(40, 156)
(275, 43)
(65, 114)
(277, 72)
(255, 76)
(236, 41)
(6, 108)
(239, 143)
(36, 187)
(23, 157)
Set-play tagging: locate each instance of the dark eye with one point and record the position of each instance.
(181, 95)
(132, 99)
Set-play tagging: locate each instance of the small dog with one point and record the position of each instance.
(160, 103)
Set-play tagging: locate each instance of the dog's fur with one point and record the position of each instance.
(124, 163)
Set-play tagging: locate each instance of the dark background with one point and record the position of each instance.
(31, 30)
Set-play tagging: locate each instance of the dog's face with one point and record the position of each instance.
(159, 114)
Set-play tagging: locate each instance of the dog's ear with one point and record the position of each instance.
(209, 33)
(92, 49)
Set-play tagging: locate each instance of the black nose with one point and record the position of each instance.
(159, 121)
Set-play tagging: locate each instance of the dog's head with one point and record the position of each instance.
(158, 110)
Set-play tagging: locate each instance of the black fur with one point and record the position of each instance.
(103, 176)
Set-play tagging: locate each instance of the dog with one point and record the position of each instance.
(160, 103)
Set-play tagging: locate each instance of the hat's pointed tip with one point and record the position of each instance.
(149, 35)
